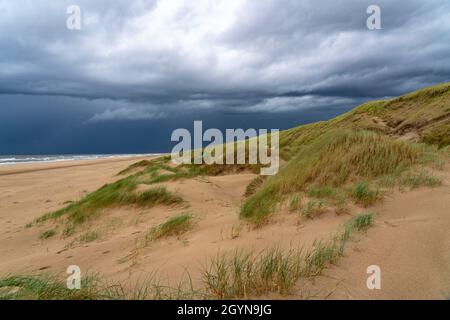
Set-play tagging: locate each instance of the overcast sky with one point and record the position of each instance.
(139, 69)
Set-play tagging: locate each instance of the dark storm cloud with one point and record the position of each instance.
(154, 58)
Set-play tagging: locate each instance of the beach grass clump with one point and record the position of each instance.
(316, 260)
(330, 161)
(321, 192)
(340, 204)
(154, 196)
(174, 226)
(313, 209)
(239, 274)
(295, 203)
(361, 222)
(438, 135)
(257, 208)
(89, 236)
(120, 193)
(123, 192)
(69, 229)
(93, 287)
(152, 165)
(230, 150)
(135, 166)
(363, 194)
(254, 185)
(47, 234)
(419, 179)
(328, 252)
(49, 287)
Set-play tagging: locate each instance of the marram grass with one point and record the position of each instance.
(331, 161)
(237, 275)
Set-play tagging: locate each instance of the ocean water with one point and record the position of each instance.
(16, 159)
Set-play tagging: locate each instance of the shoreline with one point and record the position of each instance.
(18, 168)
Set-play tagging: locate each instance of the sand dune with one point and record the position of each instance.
(410, 240)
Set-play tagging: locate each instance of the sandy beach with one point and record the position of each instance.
(29, 191)
(410, 238)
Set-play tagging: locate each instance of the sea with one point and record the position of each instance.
(17, 159)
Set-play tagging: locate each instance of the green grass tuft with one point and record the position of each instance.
(313, 209)
(321, 192)
(93, 287)
(48, 287)
(240, 275)
(48, 234)
(173, 226)
(120, 193)
(317, 259)
(89, 236)
(420, 179)
(361, 222)
(254, 185)
(363, 194)
(295, 203)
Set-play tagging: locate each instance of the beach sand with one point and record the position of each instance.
(410, 240)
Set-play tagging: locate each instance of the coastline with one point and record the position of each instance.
(17, 168)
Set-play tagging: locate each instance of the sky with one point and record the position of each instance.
(137, 70)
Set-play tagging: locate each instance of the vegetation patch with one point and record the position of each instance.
(363, 194)
(69, 229)
(296, 203)
(137, 165)
(228, 276)
(242, 275)
(419, 179)
(47, 234)
(331, 161)
(313, 209)
(49, 287)
(321, 192)
(93, 287)
(340, 203)
(254, 185)
(361, 222)
(174, 226)
(89, 236)
(120, 193)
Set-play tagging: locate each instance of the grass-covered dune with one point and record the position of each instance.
(123, 192)
(378, 140)
(334, 159)
(424, 114)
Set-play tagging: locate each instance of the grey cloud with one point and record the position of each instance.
(235, 56)
(284, 104)
(126, 114)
